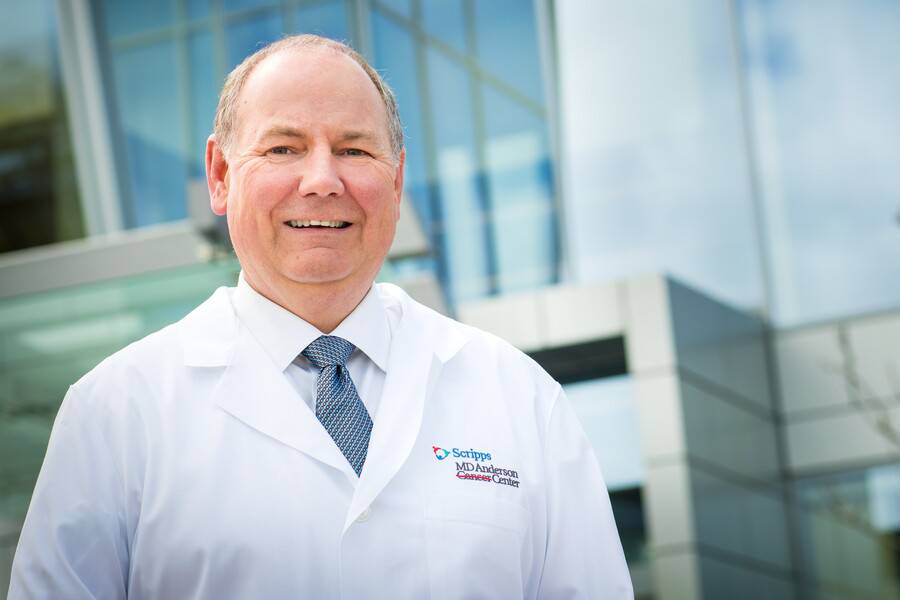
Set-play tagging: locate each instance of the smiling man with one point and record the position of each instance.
(309, 434)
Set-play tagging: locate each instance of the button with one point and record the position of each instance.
(364, 516)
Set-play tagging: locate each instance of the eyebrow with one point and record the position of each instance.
(282, 131)
(353, 136)
(293, 132)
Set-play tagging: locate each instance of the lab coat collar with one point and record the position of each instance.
(209, 333)
(284, 335)
(255, 392)
(251, 388)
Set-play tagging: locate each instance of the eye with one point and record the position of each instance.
(282, 150)
(355, 152)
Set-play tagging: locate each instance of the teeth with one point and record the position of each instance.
(316, 223)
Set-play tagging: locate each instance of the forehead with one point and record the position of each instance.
(312, 84)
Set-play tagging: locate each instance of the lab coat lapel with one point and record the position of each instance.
(419, 350)
(251, 388)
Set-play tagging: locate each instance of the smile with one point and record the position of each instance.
(314, 223)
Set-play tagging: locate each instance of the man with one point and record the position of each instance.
(308, 434)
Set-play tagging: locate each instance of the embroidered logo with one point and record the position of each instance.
(478, 467)
(471, 453)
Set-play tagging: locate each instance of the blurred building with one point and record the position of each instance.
(689, 213)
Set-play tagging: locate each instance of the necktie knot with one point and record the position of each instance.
(328, 350)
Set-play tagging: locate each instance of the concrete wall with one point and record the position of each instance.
(713, 496)
(715, 502)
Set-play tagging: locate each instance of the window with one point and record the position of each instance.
(38, 193)
(850, 533)
(828, 136)
(479, 166)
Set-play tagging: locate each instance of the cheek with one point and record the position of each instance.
(269, 190)
(262, 191)
(377, 201)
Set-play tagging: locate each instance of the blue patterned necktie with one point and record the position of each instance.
(338, 406)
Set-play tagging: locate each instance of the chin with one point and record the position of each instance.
(318, 276)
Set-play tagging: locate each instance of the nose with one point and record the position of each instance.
(319, 175)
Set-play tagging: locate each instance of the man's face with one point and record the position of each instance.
(311, 189)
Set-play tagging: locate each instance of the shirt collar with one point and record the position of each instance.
(283, 335)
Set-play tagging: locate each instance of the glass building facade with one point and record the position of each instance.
(746, 147)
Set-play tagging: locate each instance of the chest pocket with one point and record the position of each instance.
(477, 547)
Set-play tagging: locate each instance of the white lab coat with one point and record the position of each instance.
(186, 467)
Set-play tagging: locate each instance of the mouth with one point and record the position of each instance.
(314, 224)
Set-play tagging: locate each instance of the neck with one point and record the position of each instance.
(322, 305)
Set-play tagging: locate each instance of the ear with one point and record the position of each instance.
(398, 181)
(216, 176)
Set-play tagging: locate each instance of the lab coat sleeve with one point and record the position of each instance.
(584, 557)
(73, 542)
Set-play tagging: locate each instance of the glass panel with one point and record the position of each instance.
(49, 340)
(38, 195)
(465, 249)
(204, 97)
(628, 509)
(152, 120)
(395, 59)
(607, 411)
(508, 44)
(404, 7)
(328, 20)
(850, 534)
(828, 134)
(197, 9)
(237, 5)
(657, 170)
(518, 174)
(444, 20)
(126, 17)
(244, 37)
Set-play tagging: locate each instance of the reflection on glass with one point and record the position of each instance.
(445, 20)
(246, 36)
(607, 411)
(507, 42)
(628, 510)
(828, 133)
(403, 7)
(197, 9)
(38, 195)
(236, 5)
(654, 146)
(204, 95)
(49, 340)
(850, 534)
(484, 187)
(395, 59)
(328, 20)
(465, 248)
(518, 174)
(126, 17)
(153, 125)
